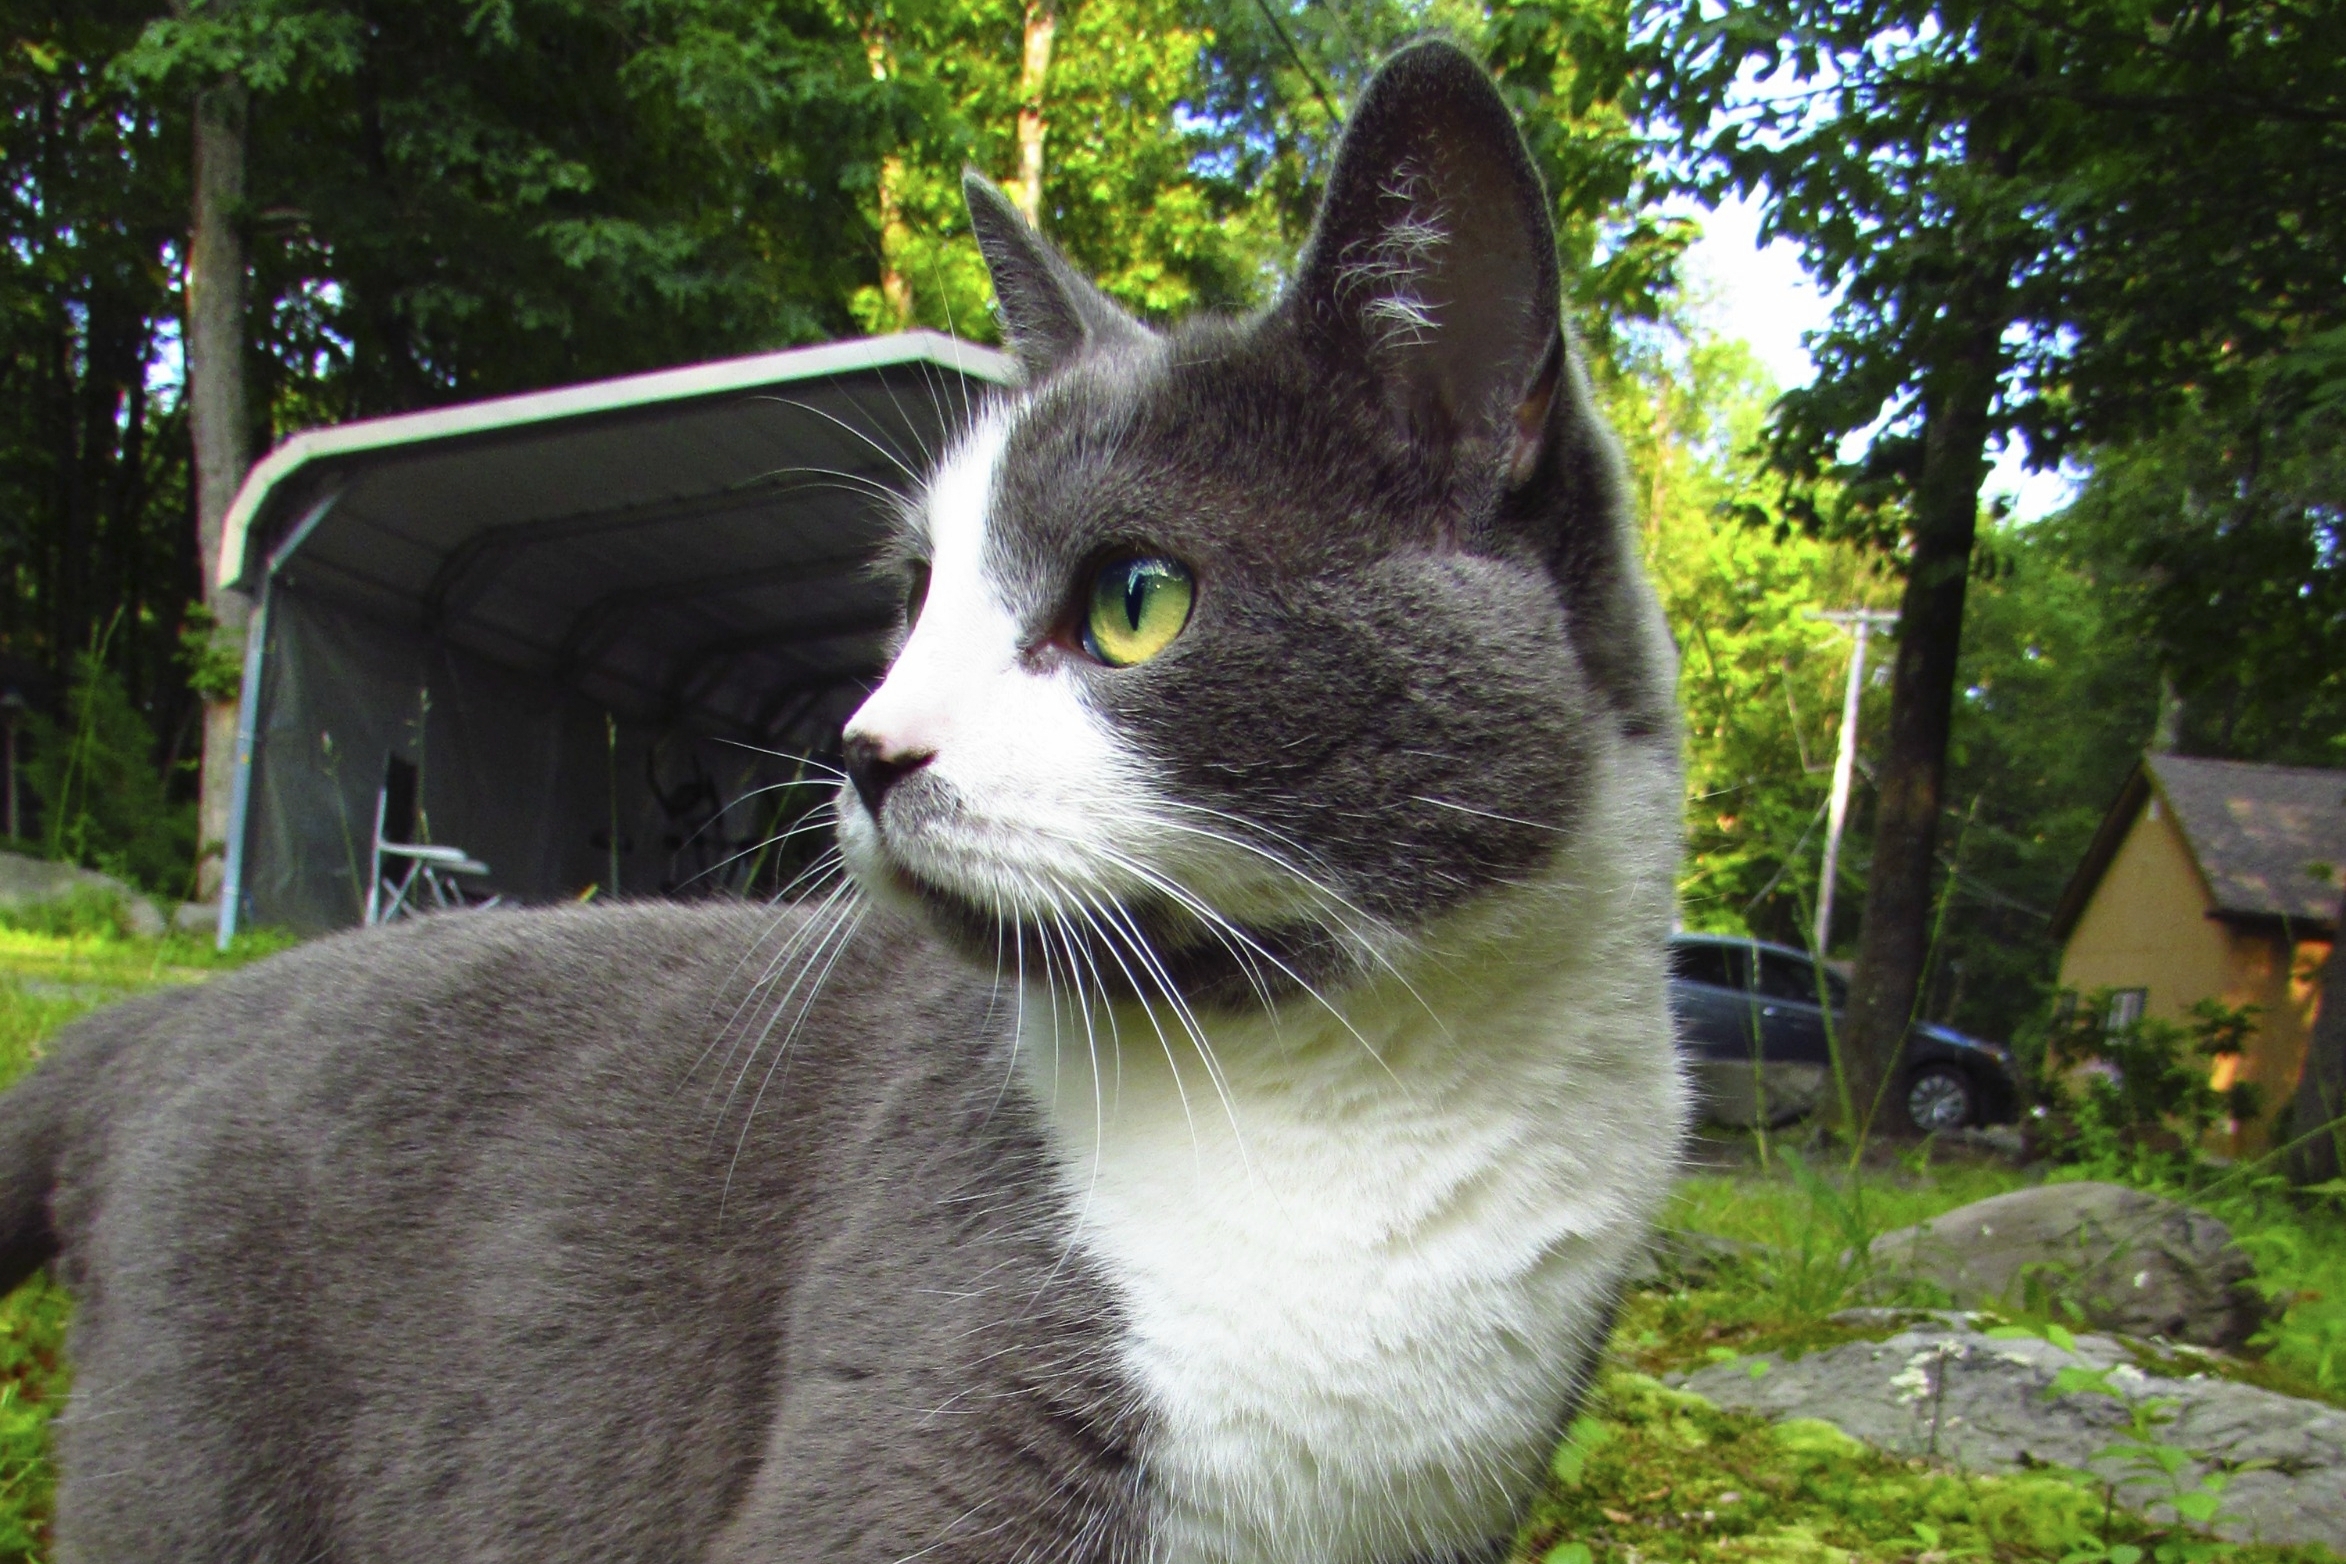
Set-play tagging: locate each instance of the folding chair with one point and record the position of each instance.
(410, 877)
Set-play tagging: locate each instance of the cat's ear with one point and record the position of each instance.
(1050, 314)
(1432, 266)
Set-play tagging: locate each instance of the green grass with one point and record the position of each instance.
(1805, 1229)
(1809, 1225)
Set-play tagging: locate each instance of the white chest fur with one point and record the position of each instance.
(1361, 1268)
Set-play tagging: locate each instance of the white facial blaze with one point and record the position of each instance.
(1042, 792)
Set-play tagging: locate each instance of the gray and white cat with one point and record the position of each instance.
(1209, 1128)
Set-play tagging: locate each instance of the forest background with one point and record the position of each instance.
(449, 199)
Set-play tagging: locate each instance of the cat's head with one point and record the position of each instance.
(1236, 655)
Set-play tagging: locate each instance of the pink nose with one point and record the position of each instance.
(874, 767)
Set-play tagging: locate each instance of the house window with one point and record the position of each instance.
(2126, 1007)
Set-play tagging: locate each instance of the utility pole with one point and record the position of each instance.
(1861, 622)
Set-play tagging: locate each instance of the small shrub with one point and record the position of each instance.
(84, 912)
(2136, 1093)
(103, 803)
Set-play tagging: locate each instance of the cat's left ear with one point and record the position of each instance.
(1050, 315)
(1432, 267)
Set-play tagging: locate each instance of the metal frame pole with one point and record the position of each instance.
(1861, 621)
(248, 720)
(240, 785)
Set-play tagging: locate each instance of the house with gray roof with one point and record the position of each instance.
(2213, 879)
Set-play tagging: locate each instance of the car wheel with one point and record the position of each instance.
(1940, 1097)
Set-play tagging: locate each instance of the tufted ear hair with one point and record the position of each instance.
(1432, 267)
(1050, 314)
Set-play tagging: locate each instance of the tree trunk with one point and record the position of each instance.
(1893, 942)
(2321, 1087)
(1042, 23)
(895, 287)
(220, 423)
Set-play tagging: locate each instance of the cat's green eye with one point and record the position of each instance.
(1138, 605)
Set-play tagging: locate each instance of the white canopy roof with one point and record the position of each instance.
(690, 541)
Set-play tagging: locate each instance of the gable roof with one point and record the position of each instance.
(2255, 832)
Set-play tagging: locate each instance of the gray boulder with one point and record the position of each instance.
(1940, 1387)
(2132, 1262)
(196, 917)
(1676, 1254)
(26, 881)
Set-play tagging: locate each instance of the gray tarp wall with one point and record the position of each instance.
(636, 605)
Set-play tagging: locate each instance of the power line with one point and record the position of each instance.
(1319, 90)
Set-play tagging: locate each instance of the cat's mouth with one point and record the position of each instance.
(1144, 949)
(1021, 903)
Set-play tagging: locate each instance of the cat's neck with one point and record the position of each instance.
(1498, 1013)
(1363, 1250)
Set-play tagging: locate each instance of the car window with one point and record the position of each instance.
(1787, 977)
(1691, 962)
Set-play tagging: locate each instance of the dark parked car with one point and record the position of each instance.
(1753, 1029)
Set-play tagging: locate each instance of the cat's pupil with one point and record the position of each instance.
(1136, 593)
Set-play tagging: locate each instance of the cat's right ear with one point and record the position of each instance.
(1431, 271)
(1050, 315)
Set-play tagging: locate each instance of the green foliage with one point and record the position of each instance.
(93, 445)
(1145, 194)
(2155, 1473)
(2043, 227)
(215, 669)
(1800, 1237)
(1670, 1477)
(2137, 1094)
(1186, 140)
(85, 912)
(2056, 700)
(2051, 174)
(1760, 679)
(469, 199)
(2054, 704)
(33, 1385)
(2220, 554)
(103, 805)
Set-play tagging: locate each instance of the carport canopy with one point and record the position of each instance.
(552, 605)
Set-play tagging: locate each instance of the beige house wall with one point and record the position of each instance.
(2147, 926)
